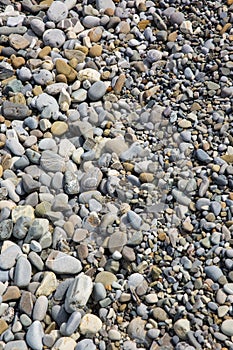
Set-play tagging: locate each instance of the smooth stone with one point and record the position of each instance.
(78, 293)
(134, 219)
(79, 95)
(22, 273)
(59, 128)
(117, 241)
(203, 156)
(91, 180)
(9, 256)
(47, 105)
(181, 328)
(16, 345)
(99, 292)
(47, 144)
(227, 327)
(34, 336)
(18, 41)
(90, 325)
(12, 111)
(21, 226)
(64, 343)
(106, 278)
(57, 11)
(62, 263)
(105, 4)
(54, 38)
(89, 74)
(15, 147)
(85, 344)
(213, 272)
(73, 323)
(40, 308)
(97, 91)
(159, 314)
(136, 330)
(56, 88)
(37, 26)
(43, 77)
(228, 288)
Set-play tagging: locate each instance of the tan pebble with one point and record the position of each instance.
(185, 124)
(142, 7)
(162, 236)
(229, 2)
(3, 326)
(37, 90)
(69, 228)
(22, 210)
(1, 170)
(95, 51)
(44, 52)
(12, 293)
(83, 49)
(119, 83)
(63, 68)
(231, 195)
(143, 24)
(225, 28)
(95, 34)
(61, 78)
(17, 62)
(48, 135)
(128, 166)
(172, 36)
(7, 123)
(109, 12)
(18, 42)
(47, 64)
(6, 81)
(146, 177)
(18, 98)
(123, 27)
(187, 226)
(59, 128)
(105, 75)
(48, 284)
(228, 158)
(73, 62)
(216, 168)
(2, 119)
(46, 2)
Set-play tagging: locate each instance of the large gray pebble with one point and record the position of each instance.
(37, 26)
(62, 263)
(73, 323)
(34, 336)
(8, 256)
(78, 293)
(85, 344)
(40, 308)
(97, 91)
(54, 37)
(43, 76)
(213, 272)
(22, 273)
(57, 11)
(16, 345)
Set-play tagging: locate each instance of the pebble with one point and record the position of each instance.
(85, 344)
(62, 263)
(64, 343)
(182, 327)
(57, 11)
(34, 336)
(78, 293)
(96, 91)
(22, 274)
(90, 325)
(136, 330)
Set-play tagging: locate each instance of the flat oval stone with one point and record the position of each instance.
(136, 330)
(40, 308)
(64, 343)
(62, 263)
(97, 91)
(8, 256)
(34, 336)
(22, 273)
(227, 327)
(73, 323)
(106, 278)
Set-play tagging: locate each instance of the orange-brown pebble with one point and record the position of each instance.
(17, 62)
(44, 52)
(61, 78)
(95, 34)
(95, 51)
(109, 12)
(119, 83)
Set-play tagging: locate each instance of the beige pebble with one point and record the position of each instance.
(59, 128)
